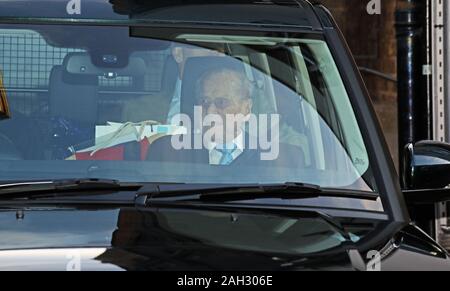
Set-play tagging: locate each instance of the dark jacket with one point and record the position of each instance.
(162, 151)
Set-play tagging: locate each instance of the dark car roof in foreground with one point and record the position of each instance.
(273, 12)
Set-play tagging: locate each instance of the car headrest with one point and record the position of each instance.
(72, 96)
(194, 69)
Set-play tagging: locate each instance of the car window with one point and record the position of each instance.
(118, 104)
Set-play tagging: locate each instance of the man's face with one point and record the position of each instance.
(223, 96)
(221, 101)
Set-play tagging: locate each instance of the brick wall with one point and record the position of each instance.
(372, 41)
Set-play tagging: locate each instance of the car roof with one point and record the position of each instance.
(295, 13)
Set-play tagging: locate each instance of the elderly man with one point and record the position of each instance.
(225, 99)
(226, 93)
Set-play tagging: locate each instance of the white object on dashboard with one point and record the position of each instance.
(115, 133)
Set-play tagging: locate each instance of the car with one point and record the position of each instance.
(225, 135)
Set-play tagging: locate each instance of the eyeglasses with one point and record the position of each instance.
(221, 102)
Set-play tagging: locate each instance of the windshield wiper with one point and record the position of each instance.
(228, 193)
(63, 188)
(153, 192)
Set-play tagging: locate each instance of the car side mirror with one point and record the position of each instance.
(426, 172)
(426, 165)
(4, 109)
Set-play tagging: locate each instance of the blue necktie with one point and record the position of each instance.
(227, 155)
(175, 104)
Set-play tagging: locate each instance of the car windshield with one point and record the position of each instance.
(147, 105)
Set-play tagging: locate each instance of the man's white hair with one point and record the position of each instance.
(236, 82)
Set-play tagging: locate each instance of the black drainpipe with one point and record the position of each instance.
(414, 118)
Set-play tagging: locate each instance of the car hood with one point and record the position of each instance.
(170, 239)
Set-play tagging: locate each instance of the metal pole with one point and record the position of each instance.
(414, 109)
(439, 44)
